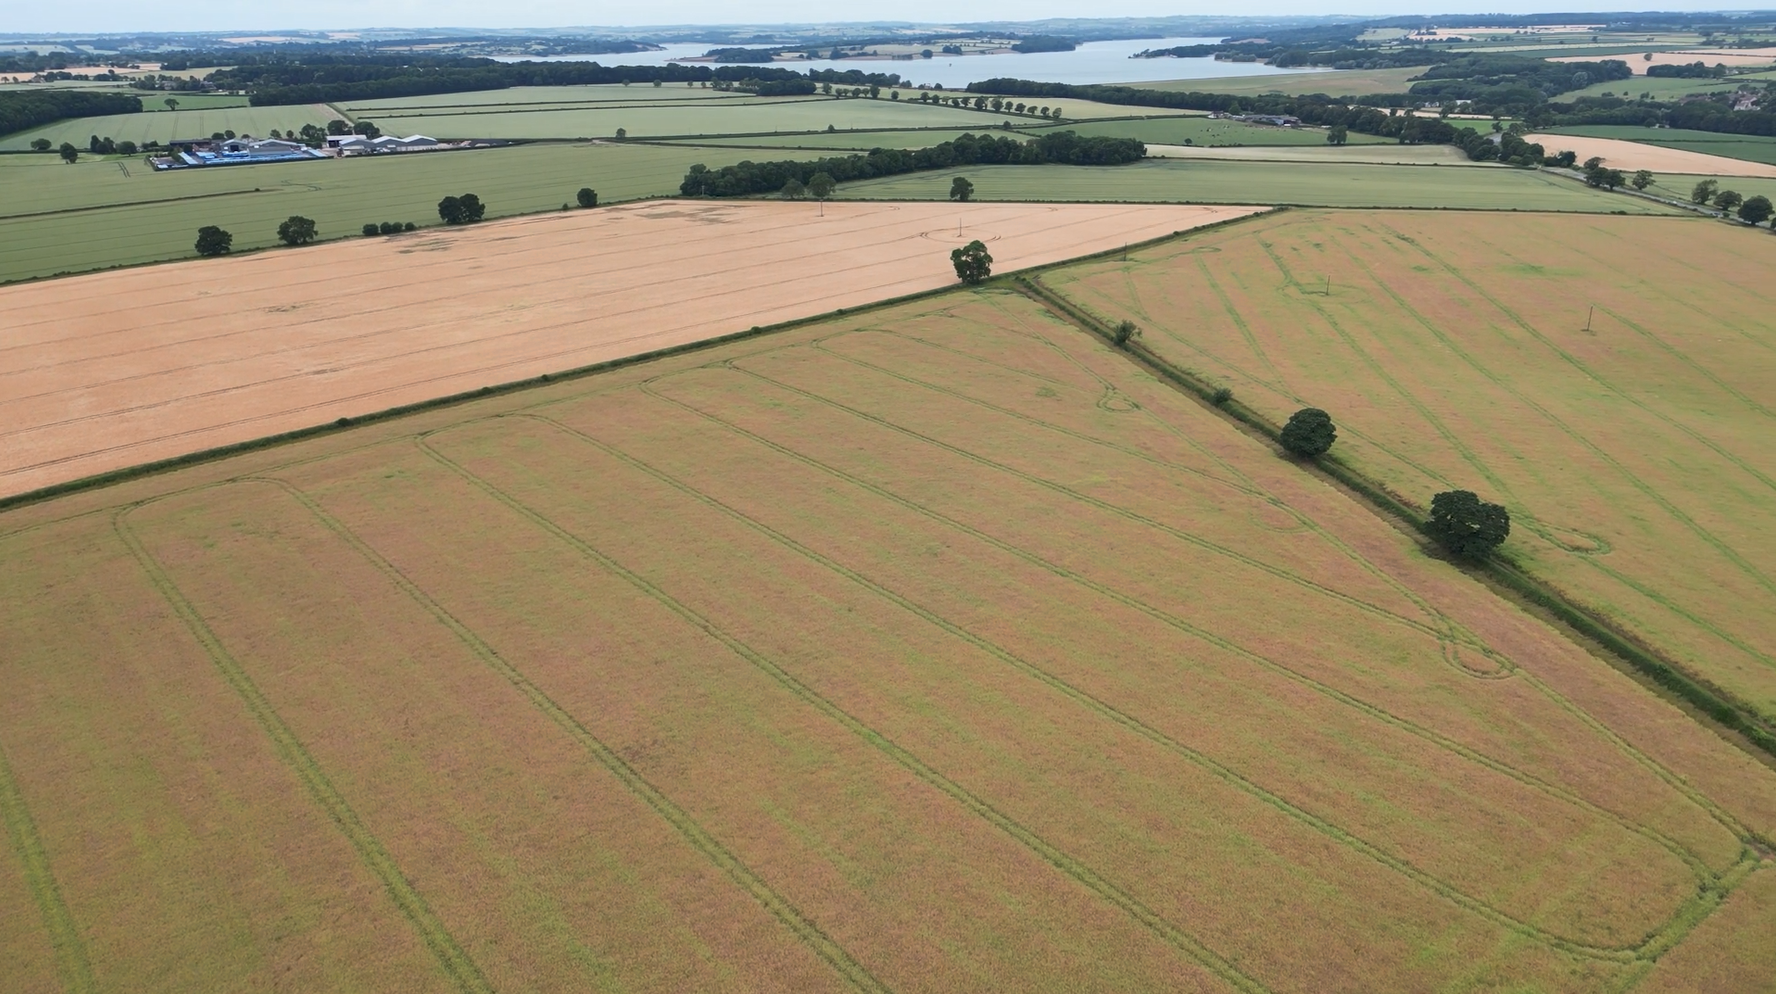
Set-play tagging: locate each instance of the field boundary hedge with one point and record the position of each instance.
(154, 467)
(1720, 705)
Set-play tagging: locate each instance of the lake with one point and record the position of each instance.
(1092, 62)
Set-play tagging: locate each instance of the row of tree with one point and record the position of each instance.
(1751, 210)
(1062, 148)
(21, 110)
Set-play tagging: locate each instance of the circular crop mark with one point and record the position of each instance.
(1571, 539)
(1274, 517)
(1116, 403)
(964, 236)
(1477, 661)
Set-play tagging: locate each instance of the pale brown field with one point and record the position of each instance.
(1628, 155)
(115, 369)
(937, 648)
(1708, 56)
(1454, 353)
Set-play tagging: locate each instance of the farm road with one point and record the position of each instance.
(110, 370)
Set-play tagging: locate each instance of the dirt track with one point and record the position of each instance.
(115, 369)
(1619, 154)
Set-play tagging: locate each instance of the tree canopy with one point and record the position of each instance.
(297, 230)
(466, 209)
(973, 263)
(1756, 210)
(1310, 432)
(212, 240)
(587, 197)
(1466, 525)
(961, 189)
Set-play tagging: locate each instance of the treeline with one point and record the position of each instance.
(21, 110)
(1714, 113)
(378, 77)
(1317, 109)
(1062, 148)
(1510, 84)
(1044, 43)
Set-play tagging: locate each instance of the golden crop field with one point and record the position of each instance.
(934, 648)
(1606, 378)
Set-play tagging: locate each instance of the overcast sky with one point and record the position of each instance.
(97, 16)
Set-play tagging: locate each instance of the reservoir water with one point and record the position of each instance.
(1092, 62)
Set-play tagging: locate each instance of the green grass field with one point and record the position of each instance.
(679, 117)
(1678, 186)
(1174, 130)
(1203, 131)
(165, 126)
(1337, 82)
(107, 219)
(1752, 148)
(1220, 182)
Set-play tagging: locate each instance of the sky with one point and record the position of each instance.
(98, 16)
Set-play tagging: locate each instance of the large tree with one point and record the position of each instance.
(587, 197)
(961, 189)
(1756, 210)
(973, 264)
(466, 209)
(821, 185)
(1310, 432)
(1466, 525)
(1643, 178)
(1338, 135)
(1726, 200)
(70, 154)
(1703, 192)
(793, 189)
(212, 240)
(296, 230)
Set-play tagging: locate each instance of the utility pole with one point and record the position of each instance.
(1588, 316)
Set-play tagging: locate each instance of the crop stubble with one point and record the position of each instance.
(914, 644)
(122, 368)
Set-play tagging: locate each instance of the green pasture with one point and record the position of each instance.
(849, 141)
(1203, 131)
(1335, 82)
(100, 218)
(155, 100)
(538, 95)
(686, 117)
(1225, 182)
(165, 126)
(1678, 186)
(1751, 148)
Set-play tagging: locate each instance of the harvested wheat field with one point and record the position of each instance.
(1630, 155)
(936, 648)
(1631, 443)
(121, 368)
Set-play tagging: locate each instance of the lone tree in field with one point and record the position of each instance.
(466, 209)
(1643, 178)
(1756, 210)
(212, 240)
(1309, 433)
(296, 230)
(41, 145)
(587, 197)
(172, 103)
(1338, 135)
(1124, 331)
(1466, 525)
(793, 189)
(1703, 192)
(821, 186)
(961, 189)
(973, 264)
(70, 154)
